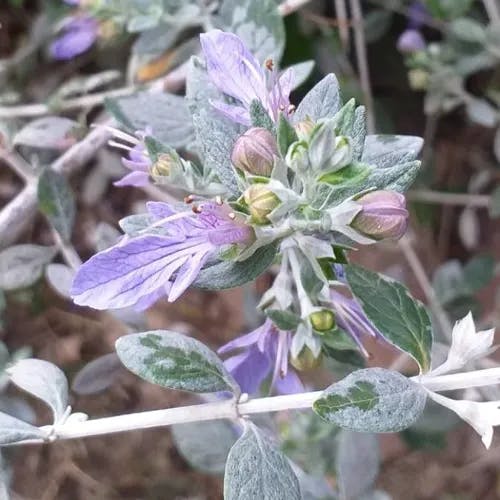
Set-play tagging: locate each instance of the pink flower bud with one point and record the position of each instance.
(254, 152)
(383, 215)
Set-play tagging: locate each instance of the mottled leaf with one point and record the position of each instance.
(175, 361)
(372, 400)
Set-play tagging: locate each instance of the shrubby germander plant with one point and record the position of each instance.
(273, 184)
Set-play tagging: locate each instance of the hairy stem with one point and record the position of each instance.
(443, 198)
(229, 409)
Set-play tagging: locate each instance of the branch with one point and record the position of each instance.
(443, 198)
(289, 6)
(229, 409)
(362, 59)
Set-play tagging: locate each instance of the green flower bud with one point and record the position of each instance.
(163, 165)
(418, 79)
(261, 202)
(254, 152)
(304, 129)
(306, 360)
(322, 321)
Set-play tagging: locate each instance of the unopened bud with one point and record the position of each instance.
(383, 215)
(411, 41)
(306, 360)
(304, 129)
(261, 202)
(163, 165)
(322, 321)
(418, 79)
(254, 152)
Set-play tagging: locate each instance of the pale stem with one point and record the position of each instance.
(362, 60)
(68, 251)
(440, 198)
(343, 23)
(289, 6)
(228, 409)
(425, 284)
(464, 380)
(493, 10)
(18, 164)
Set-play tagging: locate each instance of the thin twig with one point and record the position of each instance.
(426, 286)
(17, 163)
(289, 6)
(443, 198)
(493, 10)
(68, 251)
(341, 14)
(362, 60)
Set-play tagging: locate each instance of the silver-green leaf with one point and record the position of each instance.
(257, 470)
(372, 400)
(401, 319)
(176, 361)
(56, 202)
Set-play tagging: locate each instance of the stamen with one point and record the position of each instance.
(231, 215)
(196, 209)
(218, 200)
(291, 108)
(119, 145)
(269, 64)
(189, 199)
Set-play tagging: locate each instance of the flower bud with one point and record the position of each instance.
(418, 79)
(304, 129)
(322, 321)
(261, 202)
(383, 215)
(306, 360)
(411, 41)
(254, 152)
(163, 165)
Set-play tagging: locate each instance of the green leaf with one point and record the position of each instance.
(402, 320)
(56, 202)
(256, 470)
(322, 101)
(286, 135)
(385, 151)
(352, 174)
(175, 361)
(205, 445)
(49, 132)
(284, 320)
(258, 24)
(167, 115)
(229, 274)
(260, 117)
(468, 30)
(22, 265)
(215, 134)
(372, 400)
(13, 430)
(479, 271)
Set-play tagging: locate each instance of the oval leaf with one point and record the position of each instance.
(56, 202)
(13, 430)
(205, 445)
(22, 265)
(49, 132)
(372, 400)
(44, 381)
(402, 320)
(175, 361)
(97, 375)
(255, 469)
(229, 274)
(60, 277)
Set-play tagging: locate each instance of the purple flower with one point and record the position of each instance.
(351, 318)
(79, 34)
(141, 269)
(237, 73)
(138, 160)
(263, 351)
(411, 40)
(417, 15)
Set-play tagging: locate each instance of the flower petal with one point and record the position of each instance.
(79, 35)
(121, 275)
(249, 369)
(232, 67)
(133, 179)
